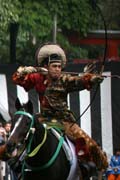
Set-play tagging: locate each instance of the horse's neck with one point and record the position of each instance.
(42, 137)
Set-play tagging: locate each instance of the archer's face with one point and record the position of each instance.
(54, 70)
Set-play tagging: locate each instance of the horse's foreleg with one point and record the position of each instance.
(100, 175)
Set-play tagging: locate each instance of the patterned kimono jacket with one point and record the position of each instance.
(53, 94)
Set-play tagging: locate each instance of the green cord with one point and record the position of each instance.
(50, 162)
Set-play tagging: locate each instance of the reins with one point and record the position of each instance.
(50, 162)
(35, 151)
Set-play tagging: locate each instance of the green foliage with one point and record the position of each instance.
(35, 18)
(72, 14)
(9, 12)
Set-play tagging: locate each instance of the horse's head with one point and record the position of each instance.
(21, 123)
(24, 110)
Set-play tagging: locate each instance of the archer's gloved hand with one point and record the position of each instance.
(25, 70)
(90, 68)
(96, 79)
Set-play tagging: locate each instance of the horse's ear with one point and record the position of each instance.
(30, 106)
(18, 104)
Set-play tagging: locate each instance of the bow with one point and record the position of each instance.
(91, 67)
(106, 42)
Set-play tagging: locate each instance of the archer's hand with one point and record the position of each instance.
(96, 79)
(90, 68)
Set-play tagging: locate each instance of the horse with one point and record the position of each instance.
(42, 148)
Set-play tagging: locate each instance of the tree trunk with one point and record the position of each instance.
(13, 36)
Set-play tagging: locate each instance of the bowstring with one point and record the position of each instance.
(96, 7)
